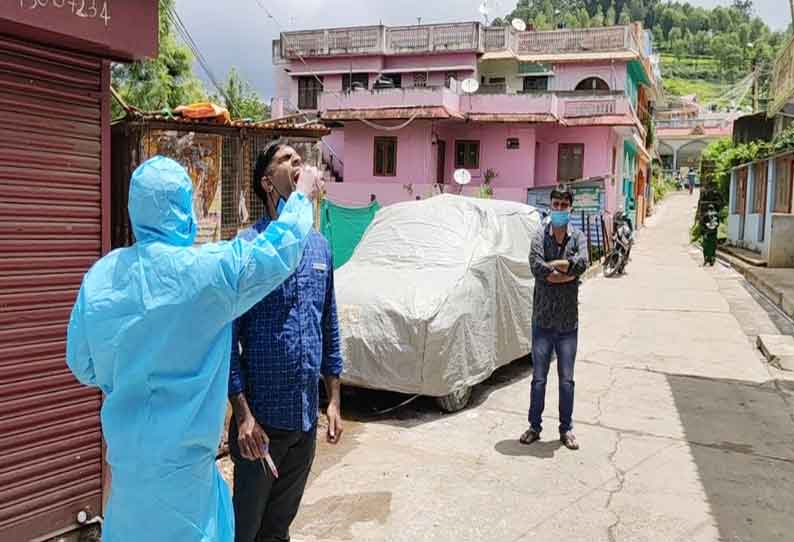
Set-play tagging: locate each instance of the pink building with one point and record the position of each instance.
(551, 107)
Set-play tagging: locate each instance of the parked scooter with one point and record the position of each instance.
(622, 241)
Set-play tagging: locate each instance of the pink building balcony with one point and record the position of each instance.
(565, 108)
(556, 42)
(425, 102)
(510, 107)
(378, 40)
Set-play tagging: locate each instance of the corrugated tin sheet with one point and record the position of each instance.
(50, 233)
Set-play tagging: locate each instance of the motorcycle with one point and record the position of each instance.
(622, 240)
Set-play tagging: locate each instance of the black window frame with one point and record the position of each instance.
(382, 145)
(309, 89)
(534, 78)
(349, 80)
(463, 154)
(566, 162)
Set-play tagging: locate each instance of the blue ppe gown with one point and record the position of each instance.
(151, 328)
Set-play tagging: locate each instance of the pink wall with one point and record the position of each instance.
(509, 103)
(399, 97)
(339, 64)
(358, 194)
(597, 151)
(414, 153)
(424, 62)
(567, 76)
(514, 166)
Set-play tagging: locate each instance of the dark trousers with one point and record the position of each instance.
(264, 507)
(543, 342)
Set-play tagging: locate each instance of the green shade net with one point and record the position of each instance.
(343, 227)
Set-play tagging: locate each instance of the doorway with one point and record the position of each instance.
(441, 161)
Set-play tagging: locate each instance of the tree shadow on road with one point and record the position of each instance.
(741, 438)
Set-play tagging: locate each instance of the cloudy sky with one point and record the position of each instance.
(240, 34)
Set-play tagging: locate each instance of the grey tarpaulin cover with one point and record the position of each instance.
(437, 295)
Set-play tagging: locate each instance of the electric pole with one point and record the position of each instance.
(791, 4)
(755, 83)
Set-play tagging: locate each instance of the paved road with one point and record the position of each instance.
(686, 434)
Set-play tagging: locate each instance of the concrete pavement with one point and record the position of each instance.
(686, 434)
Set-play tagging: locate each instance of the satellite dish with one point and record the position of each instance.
(462, 176)
(470, 86)
(519, 25)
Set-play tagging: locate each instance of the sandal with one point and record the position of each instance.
(529, 437)
(569, 440)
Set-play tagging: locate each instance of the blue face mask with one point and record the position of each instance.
(281, 204)
(560, 219)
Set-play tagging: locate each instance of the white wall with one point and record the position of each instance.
(734, 228)
(781, 242)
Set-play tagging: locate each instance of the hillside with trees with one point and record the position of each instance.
(704, 51)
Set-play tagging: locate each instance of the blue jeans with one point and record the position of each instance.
(544, 341)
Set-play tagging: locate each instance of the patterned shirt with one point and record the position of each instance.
(556, 306)
(287, 340)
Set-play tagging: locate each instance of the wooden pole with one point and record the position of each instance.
(791, 3)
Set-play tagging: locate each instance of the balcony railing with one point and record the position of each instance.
(577, 40)
(560, 105)
(590, 108)
(662, 124)
(379, 40)
(782, 89)
(391, 98)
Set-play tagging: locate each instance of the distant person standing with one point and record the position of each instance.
(691, 181)
(709, 226)
(558, 258)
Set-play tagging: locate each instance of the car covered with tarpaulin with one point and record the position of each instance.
(437, 296)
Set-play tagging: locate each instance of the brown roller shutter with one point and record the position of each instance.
(53, 117)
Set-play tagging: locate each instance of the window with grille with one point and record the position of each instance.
(741, 191)
(592, 83)
(536, 83)
(783, 185)
(355, 81)
(570, 162)
(385, 157)
(759, 192)
(391, 80)
(467, 154)
(420, 79)
(309, 89)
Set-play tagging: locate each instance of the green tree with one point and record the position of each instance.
(597, 20)
(624, 18)
(743, 6)
(241, 99)
(584, 18)
(611, 16)
(166, 81)
(637, 10)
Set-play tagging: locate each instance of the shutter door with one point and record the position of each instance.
(50, 233)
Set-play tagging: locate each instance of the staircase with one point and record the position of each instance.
(334, 166)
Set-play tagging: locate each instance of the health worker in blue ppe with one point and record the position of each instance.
(151, 328)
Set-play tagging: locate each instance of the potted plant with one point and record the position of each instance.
(486, 190)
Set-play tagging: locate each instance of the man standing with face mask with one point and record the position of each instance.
(279, 350)
(558, 258)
